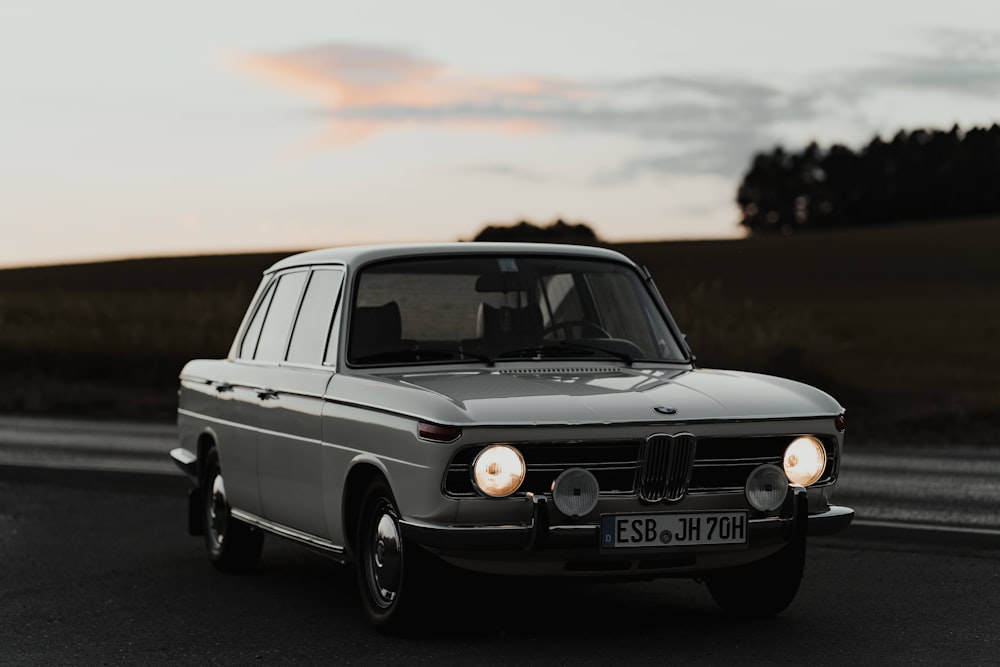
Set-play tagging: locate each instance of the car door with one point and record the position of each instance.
(289, 445)
(236, 408)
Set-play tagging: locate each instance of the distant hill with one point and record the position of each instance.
(211, 272)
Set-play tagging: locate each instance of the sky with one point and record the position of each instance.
(131, 128)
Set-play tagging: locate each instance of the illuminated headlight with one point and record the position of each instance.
(805, 461)
(766, 488)
(498, 470)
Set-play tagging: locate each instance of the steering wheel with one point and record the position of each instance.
(583, 326)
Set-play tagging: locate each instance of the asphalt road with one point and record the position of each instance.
(97, 568)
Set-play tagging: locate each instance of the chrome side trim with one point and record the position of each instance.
(286, 532)
(289, 436)
(258, 387)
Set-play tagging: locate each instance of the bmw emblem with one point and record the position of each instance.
(665, 410)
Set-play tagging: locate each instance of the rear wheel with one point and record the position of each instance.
(392, 573)
(763, 588)
(233, 546)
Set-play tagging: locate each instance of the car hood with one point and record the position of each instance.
(586, 396)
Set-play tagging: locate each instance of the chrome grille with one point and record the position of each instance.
(665, 464)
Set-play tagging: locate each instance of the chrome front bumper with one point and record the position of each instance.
(187, 461)
(540, 534)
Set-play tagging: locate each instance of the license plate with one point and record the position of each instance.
(674, 529)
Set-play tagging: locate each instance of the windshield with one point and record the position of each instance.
(505, 308)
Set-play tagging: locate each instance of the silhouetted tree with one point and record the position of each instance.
(918, 175)
(557, 232)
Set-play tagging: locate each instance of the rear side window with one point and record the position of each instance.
(249, 344)
(312, 327)
(278, 321)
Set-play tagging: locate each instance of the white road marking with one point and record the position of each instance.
(906, 525)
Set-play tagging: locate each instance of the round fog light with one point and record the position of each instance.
(575, 492)
(498, 470)
(805, 460)
(766, 488)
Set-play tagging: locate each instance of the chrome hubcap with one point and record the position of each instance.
(218, 511)
(385, 558)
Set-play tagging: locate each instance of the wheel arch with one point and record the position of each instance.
(360, 476)
(207, 439)
(204, 443)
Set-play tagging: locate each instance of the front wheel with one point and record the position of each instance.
(233, 546)
(392, 574)
(762, 588)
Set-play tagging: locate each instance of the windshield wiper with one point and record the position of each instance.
(485, 358)
(618, 354)
(565, 346)
(421, 355)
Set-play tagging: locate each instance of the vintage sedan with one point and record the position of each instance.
(513, 409)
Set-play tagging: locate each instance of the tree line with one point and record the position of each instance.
(918, 175)
(526, 232)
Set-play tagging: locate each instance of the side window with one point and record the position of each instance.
(277, 324)
(313, 323)
(249, 344)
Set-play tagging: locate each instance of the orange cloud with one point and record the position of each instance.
(366, 89)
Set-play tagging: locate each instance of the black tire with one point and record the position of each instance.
(233, 546)
(394, 576)
(762, 588)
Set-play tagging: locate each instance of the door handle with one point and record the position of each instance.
(223, 387)
(267, 394)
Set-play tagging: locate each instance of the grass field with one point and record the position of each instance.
(901, 324)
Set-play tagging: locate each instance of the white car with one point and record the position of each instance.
(516, 409)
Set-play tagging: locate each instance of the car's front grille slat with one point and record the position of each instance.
(665, 467)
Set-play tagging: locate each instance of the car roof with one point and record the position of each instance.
(363, 254)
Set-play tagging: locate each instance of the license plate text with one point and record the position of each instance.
(673, 529)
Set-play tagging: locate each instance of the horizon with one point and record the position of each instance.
(133, 132)
(222, 252)
(955, 228)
